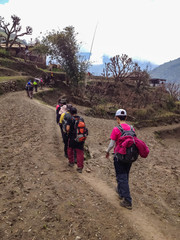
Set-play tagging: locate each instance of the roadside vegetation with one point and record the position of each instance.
(147, 106)
(122, 84)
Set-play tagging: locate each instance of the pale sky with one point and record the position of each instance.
(142, 29)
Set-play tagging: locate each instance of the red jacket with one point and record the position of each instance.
(127, 141)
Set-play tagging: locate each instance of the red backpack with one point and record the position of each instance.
(80, 130)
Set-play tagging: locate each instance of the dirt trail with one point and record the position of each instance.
(147, 228)
(42, 198)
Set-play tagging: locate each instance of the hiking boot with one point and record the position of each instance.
(126, 204)
(79, 170)
(70, 164)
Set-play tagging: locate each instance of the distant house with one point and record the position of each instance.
(156, 81)
(15, 48)
(20, 50)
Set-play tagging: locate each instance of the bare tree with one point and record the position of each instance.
(13, 32)
(141, 77)
(105, 72)
(173, 90)
(120, 67)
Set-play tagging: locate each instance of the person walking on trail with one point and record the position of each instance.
(73, 144)
(58, 107)
(60, 103)
(30, 88)
(65, 117)
(41, 83)
(121, 169)
(26, 87)
(35, 84)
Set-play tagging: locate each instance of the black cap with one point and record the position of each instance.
(73, 111)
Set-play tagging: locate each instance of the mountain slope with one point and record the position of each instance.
(169, 71)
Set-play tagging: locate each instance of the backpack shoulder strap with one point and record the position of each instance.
(131, 128)
(81, 119)
(76, 120)
(120, 128)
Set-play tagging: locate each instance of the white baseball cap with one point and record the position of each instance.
(121, 112)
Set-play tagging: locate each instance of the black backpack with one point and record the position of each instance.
(132, 152)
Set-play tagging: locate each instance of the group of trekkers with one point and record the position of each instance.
(33, 84)
(74, 133)
(127, 147)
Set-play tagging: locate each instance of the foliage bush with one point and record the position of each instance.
(99, 111)
(170, 104)
(143, 113)
(177, 108)
(4, 53)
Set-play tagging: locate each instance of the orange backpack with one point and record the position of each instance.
(80, 130)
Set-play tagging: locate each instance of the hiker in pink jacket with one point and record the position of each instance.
(122, 169)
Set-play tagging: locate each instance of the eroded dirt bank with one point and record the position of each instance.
(42, 198)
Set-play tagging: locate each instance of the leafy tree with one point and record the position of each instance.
(12, 33)
(64, 48)
(39, 49)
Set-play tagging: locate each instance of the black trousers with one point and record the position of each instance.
(122, 176)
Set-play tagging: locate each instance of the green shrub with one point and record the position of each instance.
(144, 113)
(171, 104)
(98, 111)
(177, 108)
(4, 53)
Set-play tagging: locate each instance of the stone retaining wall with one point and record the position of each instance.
(11, 86)
(19, 84)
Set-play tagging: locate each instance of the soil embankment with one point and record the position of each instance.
(42, 198)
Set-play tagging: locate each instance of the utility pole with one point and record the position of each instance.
(92, 42)
(85, 80)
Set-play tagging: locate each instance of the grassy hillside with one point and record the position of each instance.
(15, 72)
(169, 71)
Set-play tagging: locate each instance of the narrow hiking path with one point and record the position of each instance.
(42, 198)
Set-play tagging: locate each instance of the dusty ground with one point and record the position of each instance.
(42, 198)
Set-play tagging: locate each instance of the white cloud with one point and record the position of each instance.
(147, 29)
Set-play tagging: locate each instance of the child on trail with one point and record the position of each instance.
(73, 145)
(122, 169)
